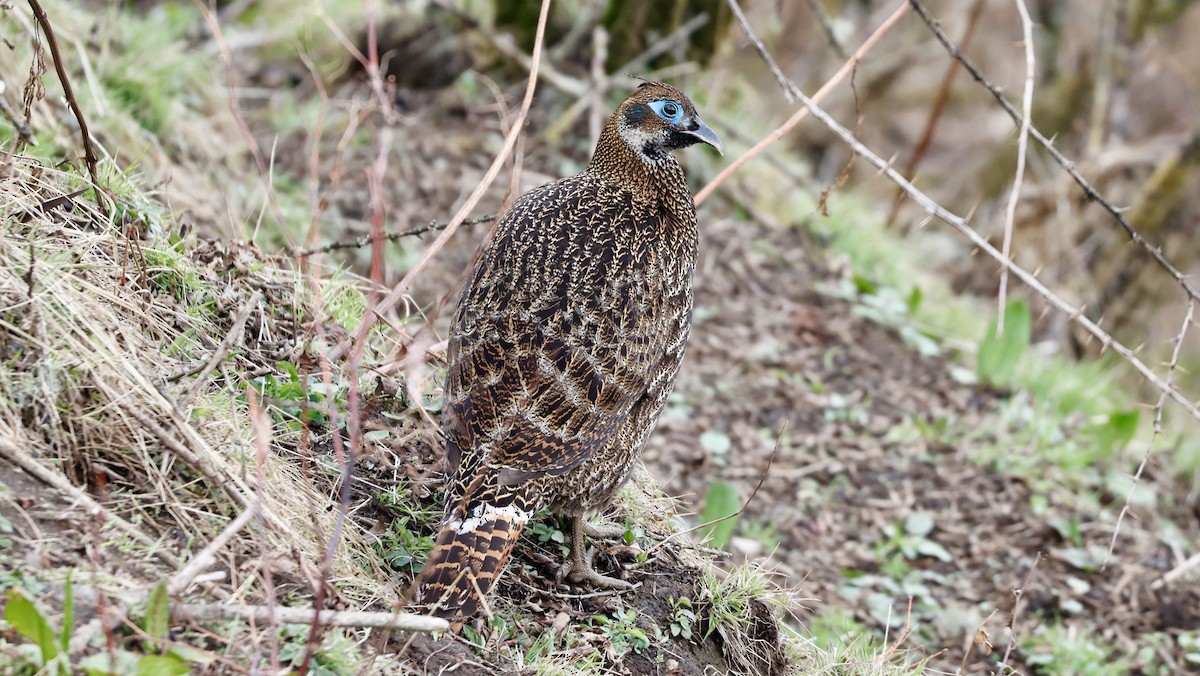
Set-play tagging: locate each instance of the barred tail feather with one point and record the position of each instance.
(466, 560)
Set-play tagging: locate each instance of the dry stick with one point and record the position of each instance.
(501, 157)
(1010, 212)
(935, 112)
(957, 222)
(89, 152)
(50, 477)
(762, 50)
(22, 129)
(327, 618)
(264, 174)
(1089, 191)
(234, 335)
(1157, 435)
(802, 113)
(1012, 617)
(1177, 572)
(204, 560)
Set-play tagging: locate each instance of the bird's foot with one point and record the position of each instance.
(579, 569)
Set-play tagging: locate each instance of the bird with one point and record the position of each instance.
(565, 343)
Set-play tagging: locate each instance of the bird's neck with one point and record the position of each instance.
(657, 178)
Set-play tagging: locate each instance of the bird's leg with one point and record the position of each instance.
(579, 567)
(602, 532)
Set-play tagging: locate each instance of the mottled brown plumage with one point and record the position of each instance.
(566, 342)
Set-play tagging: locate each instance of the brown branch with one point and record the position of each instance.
(935, 112)
(234, 335)
(369, 238)
(803, 111)
(89, 152)
(501, 157)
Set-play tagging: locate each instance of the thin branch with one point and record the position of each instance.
(206, 558)
(234, 335)
(1018, 593)
(1089, 191)
(369, 238)
(1157, 435)
(762, 50)
(327, 618)
(936, 110)
(803, 111)
(1010, 212)
(89, 152)
(406, 283)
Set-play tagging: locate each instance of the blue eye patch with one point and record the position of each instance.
(668, 110)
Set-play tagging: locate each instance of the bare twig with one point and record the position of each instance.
(1177, 572)
(510, 140)
(936, 110)
(1089, 191)
(205, 559)
(11, 451)
(369, 238)
(1010, 212)
(803, 111)
(1018, 594)
(762, 50)
(234, 335)
(1157, 434)
(761, 480)
(89, 152)
(327, 618)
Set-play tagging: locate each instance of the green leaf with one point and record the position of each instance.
(158, 612)
(68, 620)
(914, 300)
(25, 617)
(161, 665)
(999, 355)
(721, 502)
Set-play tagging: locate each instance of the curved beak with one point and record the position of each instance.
(701, 132)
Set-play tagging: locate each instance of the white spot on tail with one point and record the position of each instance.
(484, 513)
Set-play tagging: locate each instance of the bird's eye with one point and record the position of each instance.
(668, 110)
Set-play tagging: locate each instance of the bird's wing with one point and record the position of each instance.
(548, 355)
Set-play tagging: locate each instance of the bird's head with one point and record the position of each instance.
(658, 118)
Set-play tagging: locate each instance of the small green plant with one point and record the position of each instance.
(622, 632)
(404, 550)
(999, 355)
(549, 535)
(908, 541)
(1056, 649)
(683, 618)
(721, 506)
(335, 656)
(299, 401)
